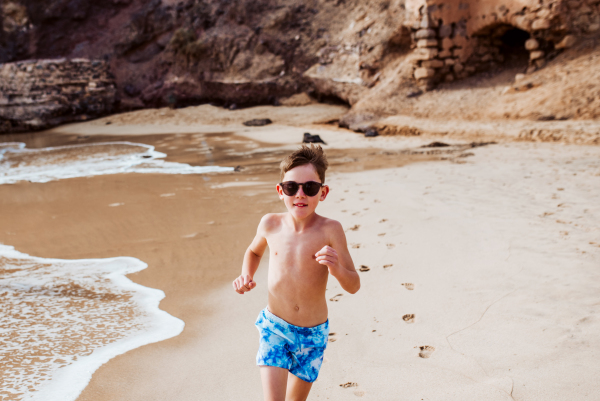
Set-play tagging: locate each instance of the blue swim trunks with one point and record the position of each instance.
(297, 349)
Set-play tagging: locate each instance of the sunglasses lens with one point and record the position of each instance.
(311, 188)
(290, 188)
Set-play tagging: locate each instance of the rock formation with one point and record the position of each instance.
(376, 56)
(41, 94)
(454, 39)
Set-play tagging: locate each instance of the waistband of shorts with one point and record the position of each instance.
(303, 330)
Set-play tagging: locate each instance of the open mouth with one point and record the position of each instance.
(300, 204)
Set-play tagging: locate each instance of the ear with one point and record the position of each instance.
(279, 191)
(324, 192)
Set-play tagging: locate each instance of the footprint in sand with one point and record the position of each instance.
(382, 220)
(354, 228)
(355, 246)
(381, 235)
(386, 267)
(332, 337)
(357, 392)
(355, 213)
(390, 246)
(409, 318)
(364, 268)
(425, 351)
(408, 286)
(336, 298)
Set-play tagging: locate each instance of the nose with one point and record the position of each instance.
(300, 193)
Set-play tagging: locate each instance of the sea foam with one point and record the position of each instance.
(17, 163)
(60, 320)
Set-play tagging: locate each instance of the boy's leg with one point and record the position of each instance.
(297, 389)
(274, 381)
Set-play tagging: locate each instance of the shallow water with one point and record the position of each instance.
(18, 163)
(61, 319)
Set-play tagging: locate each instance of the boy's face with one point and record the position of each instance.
(302, 205)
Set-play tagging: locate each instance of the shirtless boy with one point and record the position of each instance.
(304, 248)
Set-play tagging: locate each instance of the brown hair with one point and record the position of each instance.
(306, 155)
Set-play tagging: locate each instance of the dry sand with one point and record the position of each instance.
(494, 250)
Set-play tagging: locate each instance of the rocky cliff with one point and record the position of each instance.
(41, 94)
(376, 56)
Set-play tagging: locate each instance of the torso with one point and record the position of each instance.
(297, 282)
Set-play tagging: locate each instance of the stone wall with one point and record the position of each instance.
(454, 39)
(39, 94)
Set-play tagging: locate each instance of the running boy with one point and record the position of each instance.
(304, 249)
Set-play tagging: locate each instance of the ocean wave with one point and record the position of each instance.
(17, 163)
(60, 320)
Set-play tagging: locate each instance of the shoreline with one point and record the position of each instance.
(59, 367)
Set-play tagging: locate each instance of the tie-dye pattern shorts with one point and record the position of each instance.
(297, 349)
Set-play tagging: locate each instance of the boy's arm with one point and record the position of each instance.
(337, 258)
(245, 282)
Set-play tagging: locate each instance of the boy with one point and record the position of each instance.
(304, 249)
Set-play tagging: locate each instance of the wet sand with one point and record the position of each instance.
(442, 237)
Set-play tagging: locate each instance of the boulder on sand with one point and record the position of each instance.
(257, 122)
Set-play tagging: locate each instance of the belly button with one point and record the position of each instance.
(297, 308)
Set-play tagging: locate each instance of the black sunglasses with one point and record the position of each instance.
(310, 188)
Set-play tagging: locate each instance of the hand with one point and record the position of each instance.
(328, 256)
(243, 284)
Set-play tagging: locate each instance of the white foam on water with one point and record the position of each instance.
(60, 162)
(60, 320)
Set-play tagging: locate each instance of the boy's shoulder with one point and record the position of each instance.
(270, 221)
(329, 224)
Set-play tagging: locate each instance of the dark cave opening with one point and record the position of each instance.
(512, 45)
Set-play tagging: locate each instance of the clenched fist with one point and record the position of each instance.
(243, 284)
(328, 256)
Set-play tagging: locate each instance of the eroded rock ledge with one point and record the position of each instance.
(40, 94)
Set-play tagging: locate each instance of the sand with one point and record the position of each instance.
(494, 250)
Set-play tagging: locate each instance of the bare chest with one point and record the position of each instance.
(296, 250)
